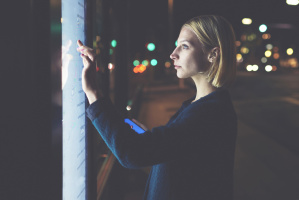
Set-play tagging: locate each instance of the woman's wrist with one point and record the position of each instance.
(93, 96)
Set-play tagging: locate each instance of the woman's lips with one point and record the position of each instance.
(177, 67)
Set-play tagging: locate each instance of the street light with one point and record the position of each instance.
(292, 2)
(268, 68)
(113, 43)
(255, 68)
(145, 63)
(264, 59)
(239, 57)
(263, 28)
(246, 21)
(136, 62)
(269, 46)
(290, 51)
(151, 46)
(249, 68)
(244, 50)
(268, 53)
(154, 62)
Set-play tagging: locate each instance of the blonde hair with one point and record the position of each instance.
(215, 31)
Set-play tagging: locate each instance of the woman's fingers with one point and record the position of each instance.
(79, 43)
(89, 80)
(86, 50)
(90, 54)
(86, 60)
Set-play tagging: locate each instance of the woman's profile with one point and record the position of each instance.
(192, 156)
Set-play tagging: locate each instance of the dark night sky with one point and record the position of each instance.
(149, 18)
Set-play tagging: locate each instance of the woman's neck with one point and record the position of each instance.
(203, 87)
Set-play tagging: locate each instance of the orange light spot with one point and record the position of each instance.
(266, 36)
(167, 64)
(141, 68)
(135, 70)
(276, 55)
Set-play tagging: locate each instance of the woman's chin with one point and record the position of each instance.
(180, 75)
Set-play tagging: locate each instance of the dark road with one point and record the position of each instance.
(270, 104)
(267, 153)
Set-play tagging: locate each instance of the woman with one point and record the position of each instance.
(193, 154)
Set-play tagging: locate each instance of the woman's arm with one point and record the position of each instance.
(160, 145)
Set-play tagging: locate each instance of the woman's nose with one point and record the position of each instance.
(173, 55)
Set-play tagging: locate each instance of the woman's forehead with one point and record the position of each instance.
(187, 35)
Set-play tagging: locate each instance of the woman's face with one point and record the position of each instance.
(189, 57)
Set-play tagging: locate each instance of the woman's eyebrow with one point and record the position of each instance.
(184, 41)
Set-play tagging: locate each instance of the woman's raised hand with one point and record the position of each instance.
(89, 79)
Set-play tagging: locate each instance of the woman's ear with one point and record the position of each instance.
(214, 54)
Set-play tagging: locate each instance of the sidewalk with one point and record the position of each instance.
(264, 170)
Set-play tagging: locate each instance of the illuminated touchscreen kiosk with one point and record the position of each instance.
(73, 102)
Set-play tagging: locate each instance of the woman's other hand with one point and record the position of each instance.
(89, 79)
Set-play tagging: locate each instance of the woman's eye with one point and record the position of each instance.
(185, 46)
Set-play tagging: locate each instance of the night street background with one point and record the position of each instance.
(142, 83)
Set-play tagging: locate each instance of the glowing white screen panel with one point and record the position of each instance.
(73, 102)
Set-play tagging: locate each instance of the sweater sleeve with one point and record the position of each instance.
(161, 144)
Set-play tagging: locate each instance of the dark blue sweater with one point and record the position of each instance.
(192, 155)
